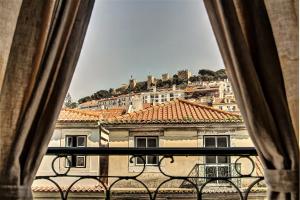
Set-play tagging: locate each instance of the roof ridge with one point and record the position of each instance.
(208, 107)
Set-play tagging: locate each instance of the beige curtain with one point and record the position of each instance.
(258, 41)
(39, 51)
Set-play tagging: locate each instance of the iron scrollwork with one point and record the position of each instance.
(198, 179)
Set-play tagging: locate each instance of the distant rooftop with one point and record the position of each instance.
(77, 115)
(177, 111)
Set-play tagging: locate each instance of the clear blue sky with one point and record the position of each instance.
(142, 37)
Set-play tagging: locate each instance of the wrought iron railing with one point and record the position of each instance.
(199, 178)
(220, 170)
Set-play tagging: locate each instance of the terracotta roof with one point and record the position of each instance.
(77, 115)
(75, 188)
(177, 111)
(100, 188)
(146, 105)
(110, 113)
(89, 103)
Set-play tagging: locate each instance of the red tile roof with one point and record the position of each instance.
(77, 115)
(177, 111)
(75, 188)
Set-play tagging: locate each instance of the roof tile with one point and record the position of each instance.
(78, 115)
(177, 111)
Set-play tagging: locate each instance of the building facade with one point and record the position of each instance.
(179, 123)
(155, 96)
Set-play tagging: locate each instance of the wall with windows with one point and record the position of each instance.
(176, 137)
(158, 97)
(72, 135)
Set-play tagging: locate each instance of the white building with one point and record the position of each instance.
(122, 101)
(160, 96)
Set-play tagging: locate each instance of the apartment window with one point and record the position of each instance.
(147, 142)
(76, 141)
(217, 166)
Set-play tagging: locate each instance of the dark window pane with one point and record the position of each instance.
(223, 171)
(153, 160)
(140, 160)
(73, 161)
(211, 171)
(69, 142)
(80, 161)
(222, 141)
(152, 142)
(81, 141)
(210, 159)
(141, 142)
(74, 141)
(209, 142)
(223, 159)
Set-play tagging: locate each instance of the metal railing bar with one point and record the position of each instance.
(232, 151)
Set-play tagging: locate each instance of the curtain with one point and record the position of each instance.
(35, 73)
(258, 41)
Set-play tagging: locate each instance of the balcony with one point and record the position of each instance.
(239, 179)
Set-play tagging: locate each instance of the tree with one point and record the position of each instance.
(101, 94)
(84, 99)
(140, 87)
(159, 83)
(207, 72)
(111, 91)
(194, 78)
(167, 83)
(221, 74)
(68, 101)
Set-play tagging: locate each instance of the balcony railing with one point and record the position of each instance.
(201, 177)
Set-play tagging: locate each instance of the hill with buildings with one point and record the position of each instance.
(181, 80)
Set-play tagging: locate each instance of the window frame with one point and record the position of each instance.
(217, 165)
(75, 156)
(157, 146)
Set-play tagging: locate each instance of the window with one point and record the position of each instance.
(75, 141)
(217, 166)
(147, 142)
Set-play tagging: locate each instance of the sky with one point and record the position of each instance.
(141, 37)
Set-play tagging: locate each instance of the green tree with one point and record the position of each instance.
(207, 72)
(111, 91)
(68, 101)
(194, 78)
(221, 74)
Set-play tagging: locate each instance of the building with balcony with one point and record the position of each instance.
(176, 124)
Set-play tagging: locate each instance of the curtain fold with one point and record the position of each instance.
(254, 62)
(45, 48)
